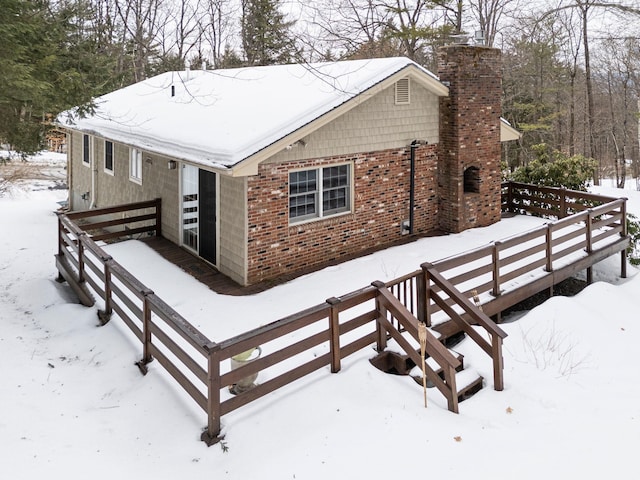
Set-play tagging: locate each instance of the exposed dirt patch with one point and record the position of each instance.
(17, 170)
(566, 288)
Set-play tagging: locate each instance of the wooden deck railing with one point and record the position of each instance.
(471, 311)
(511, 270)
(390, 309)
(164, 334)
(324, 335)
(135, 219)
(547, 201)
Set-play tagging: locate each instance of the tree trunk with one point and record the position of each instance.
(584, 8)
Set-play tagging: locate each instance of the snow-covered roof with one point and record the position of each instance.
(223, 117)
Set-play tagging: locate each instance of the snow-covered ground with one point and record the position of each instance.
(74, 406)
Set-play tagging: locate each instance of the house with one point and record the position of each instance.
(268, 170)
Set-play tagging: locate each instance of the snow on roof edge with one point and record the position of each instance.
(212, 154)
(328, 112)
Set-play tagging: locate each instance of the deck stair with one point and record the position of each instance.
(397, 324)
(468, 381)
(449, 333)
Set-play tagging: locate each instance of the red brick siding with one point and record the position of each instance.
(380, 193)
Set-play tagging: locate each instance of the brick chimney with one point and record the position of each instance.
(469, 150)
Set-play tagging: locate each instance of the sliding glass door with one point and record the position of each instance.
(199, 212)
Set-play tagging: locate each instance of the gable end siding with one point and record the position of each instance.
(375, 125)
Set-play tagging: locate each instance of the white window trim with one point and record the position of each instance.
(321, 216)
(135, 165)
(90, 150)
(113, 158)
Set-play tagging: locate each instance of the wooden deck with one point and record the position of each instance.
(206, 273)
(201, 270)
(589, 229)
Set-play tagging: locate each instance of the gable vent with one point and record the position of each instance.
(402, 92)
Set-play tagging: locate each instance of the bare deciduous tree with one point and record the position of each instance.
(182, 27)
(215, 24)
(349, 26)
(141, 21)
(489, 13)
(584, 9)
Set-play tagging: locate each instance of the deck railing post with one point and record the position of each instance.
(212, 435)
(81, 236)
(421, 300)
(498, 362)
(589, 231)
(495, 253)
(60, 233)
(146, 332)
(381, 334)
(563, 202)
(334, 333)
(107, 288)
(450, 380)
(549, 252)
(427, 293)
(105, 315)
(549, 247)
(589, 243)
(510, 197)
(146, 324)
(158, 217)
(60, 278)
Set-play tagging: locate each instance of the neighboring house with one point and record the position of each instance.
(267, 170)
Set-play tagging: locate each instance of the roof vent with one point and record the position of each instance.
(402, 91)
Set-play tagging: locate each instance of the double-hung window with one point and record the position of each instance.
(108, 156)
(86, 149)
(135, 165)
(319, 192)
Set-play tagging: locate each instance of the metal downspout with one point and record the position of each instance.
(70, 186)
(94, 173)
(412, 183)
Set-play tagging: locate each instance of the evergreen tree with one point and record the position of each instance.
(20, 26)
(553, 168)
(266, 35)
(50, 63)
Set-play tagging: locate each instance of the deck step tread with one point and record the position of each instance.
(468, 383)
(465, 378)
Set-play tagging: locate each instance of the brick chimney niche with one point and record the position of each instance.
(469, 155)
